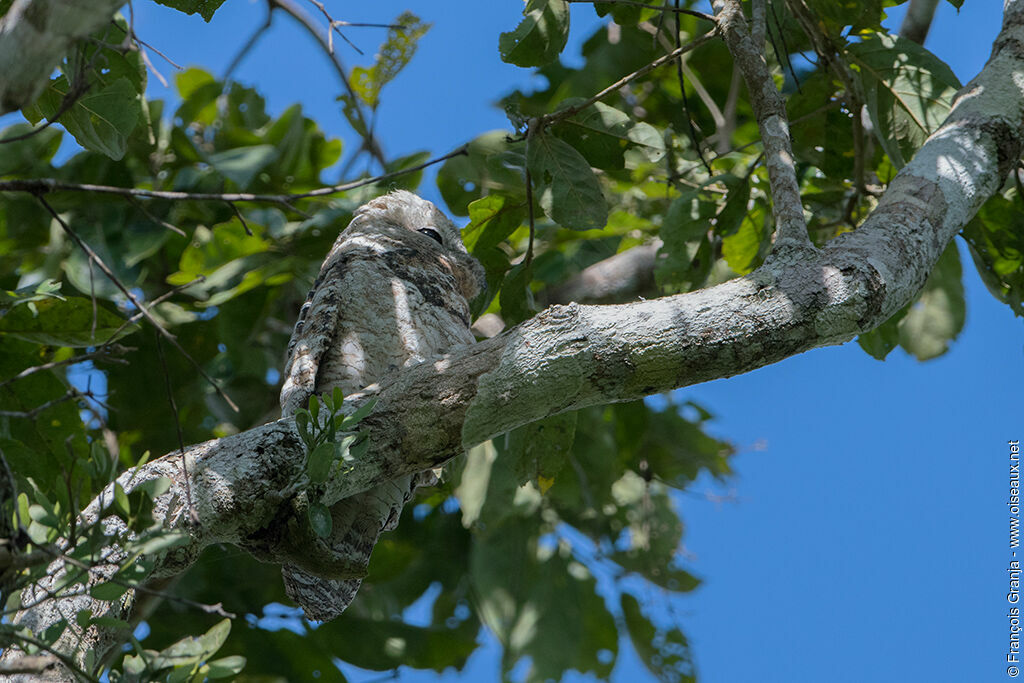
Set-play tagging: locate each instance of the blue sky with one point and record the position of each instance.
(864, 536)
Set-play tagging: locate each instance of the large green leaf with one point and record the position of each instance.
(925, 327)
(539, 37)
(996, 239)
(240, 165)
(541, 604)
(909, 91)
(567, 188)
(31, 155)
(685, 258)
(937, 317)
(100, 120)
(602, 133)
(73, 321)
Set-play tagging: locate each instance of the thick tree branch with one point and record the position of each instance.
(918, 20)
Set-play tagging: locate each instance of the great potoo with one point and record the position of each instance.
(394, 290)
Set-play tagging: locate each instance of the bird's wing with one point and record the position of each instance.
(312, 337)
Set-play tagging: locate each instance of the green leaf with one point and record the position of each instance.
(204, 8)
(486, 487)
(744, 249)
(199, 91)
(730, 218)
(394, 54)
(108, 591)
(516, 297)
(602, 133)
(685, 258)
(224, 667)
(121, 504)
(240, 165)
(542, 604)
(879, 342)
(622, 14)
(937, 317)
(314, 409)
(350, 421)
(28, 156)
(996, 240)
(210, 250)
(567, 188)
(909, 91)
(63, 322)
(485, 169)
(320, 460)
(539, 450)
(836, 15)
(539, 37)
(320, 519)
(665, 653)
(100, 120)
(215, 637)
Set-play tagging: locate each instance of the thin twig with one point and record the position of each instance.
(529, 213)
(156, 219)
(632, 3)
(554, 117)
(241, 219)
(70, 97)
(686, 101)
(131, 297)
(249, 45)
(32, 414)
(369, 142)
(103, 352)
(192, 514)
(37, 186)
(333, 24)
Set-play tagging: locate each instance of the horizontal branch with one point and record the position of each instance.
(44, 185)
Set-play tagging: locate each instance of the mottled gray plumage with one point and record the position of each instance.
(393, 290)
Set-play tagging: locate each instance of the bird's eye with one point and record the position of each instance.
(432, 234)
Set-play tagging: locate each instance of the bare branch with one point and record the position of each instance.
(37, 186)
(557, 116)
(104, 352)
(770, 111)
(663, 8)
(369, 141)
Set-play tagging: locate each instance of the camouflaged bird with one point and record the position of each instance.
(393, 291)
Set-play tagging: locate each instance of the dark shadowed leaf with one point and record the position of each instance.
(565, 186)
(539, 37)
